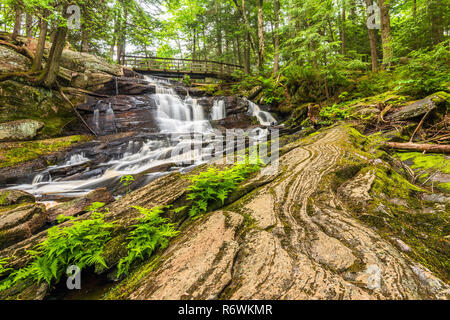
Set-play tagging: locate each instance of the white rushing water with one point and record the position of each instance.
(264, 117)
(218, 111)
(182, 122)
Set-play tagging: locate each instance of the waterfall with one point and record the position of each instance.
(110, 120)
(175, 115)
(184, 139)
(264, 117)
(218, 111)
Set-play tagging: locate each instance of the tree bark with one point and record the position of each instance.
(29, 25)
(386, 38)
(260, 35)
(437, 26)
(343, 29)
(18, 22)
(84, 39)
(43, 26)
(373, 44)
(276, 58)
(434, 148)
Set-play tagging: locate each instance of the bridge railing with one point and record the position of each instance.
(180, 65)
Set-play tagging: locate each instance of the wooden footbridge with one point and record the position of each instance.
(178, 68)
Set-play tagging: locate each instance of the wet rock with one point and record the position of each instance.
(80, 205)
(20, 223)
(11, 61)
(19, 130)
(13, 197)
(234, 121)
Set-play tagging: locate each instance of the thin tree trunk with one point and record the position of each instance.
(29, 25)
(18, 22)
(373, 44)
(247, 55)
(343, 29)
(276, 45)
(43, 26)
(84, 39)
(437, 28)
(260, 35)
(386, 38)
(52, 66)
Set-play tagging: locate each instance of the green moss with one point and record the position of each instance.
(14, 153)
(126, 287)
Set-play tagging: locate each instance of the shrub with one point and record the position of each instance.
(151, 233)
(214, 185)
(80, 244)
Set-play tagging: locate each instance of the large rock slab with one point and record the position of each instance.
(420, 107)
(88, 63)
(80, 205)
(21, 223)
(13, 197)
(19, 130)
(12, 61)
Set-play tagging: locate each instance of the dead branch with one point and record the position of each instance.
(434, 148)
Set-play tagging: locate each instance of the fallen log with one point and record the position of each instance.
(434, 148)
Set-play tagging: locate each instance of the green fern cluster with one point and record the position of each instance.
(80, 244)
(214, 185)
(151, 233)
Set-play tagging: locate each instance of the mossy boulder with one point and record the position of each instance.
(437, 101)
(20, 101)
(11, 61)
(88, 63)
(19, 130)
(432, 169)
(14, 197)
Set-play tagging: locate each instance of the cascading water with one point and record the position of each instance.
(264, 117)
(218, 111)
(183, 140)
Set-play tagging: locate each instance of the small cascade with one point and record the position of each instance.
(41, 178)
(76, 159)
(218, 111)
(264, 117)
(110, 120)
(96, 119)
(117, 86)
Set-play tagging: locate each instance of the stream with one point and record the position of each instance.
(177, 136)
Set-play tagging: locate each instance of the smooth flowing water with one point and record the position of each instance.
(185, 139)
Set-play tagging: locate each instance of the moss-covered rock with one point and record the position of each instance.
(19, 130)
(11, 61)
(20, 101)
(17, 152)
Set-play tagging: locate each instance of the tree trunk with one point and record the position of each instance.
(52, 66)
(386, 38)
(373, 44)
(437, 26)
(218, 32)
(43, 26)
(29, 25)
(18, 22)
(84, 39)
(247, 55)
(276, 45)
(343, 29)
(260, 35)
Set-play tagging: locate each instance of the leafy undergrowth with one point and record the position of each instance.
(151, 233)
(80, 244)
(214, 185)
(17, 152)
